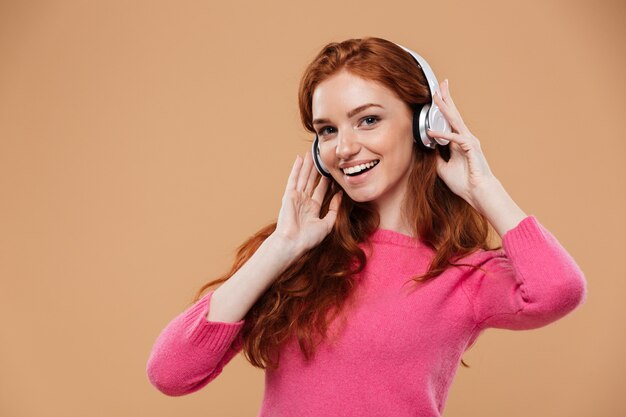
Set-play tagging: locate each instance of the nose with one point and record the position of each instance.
(347, 145)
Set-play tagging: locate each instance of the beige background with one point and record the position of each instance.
(141, 142)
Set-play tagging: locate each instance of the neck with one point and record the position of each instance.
(391, 218)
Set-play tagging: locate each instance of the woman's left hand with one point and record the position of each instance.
(467, 171)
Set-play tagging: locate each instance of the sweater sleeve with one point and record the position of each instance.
(191, 351)
(531, 282)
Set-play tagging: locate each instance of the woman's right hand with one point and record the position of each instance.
(298, 221)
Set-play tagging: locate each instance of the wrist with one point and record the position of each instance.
(283, 246)
(495, 203)
(484, 192)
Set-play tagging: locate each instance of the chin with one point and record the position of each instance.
(359, 197)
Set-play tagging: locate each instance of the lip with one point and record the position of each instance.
(359, 179)
(355, 163)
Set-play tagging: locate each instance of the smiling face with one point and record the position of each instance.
(359, 121)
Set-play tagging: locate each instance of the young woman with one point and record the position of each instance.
(355, 301)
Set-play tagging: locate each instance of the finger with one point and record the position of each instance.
(334, 202)
(452, 136)
(305, 171)
(451, 114)
(293, 176)
(320, 190)
(311, 182)
(331, 215)
(460, 141)
(445, 93)
(447, 98)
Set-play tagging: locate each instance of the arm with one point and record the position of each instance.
(235, 297)
(492, 200)
(193, 348)
(531, 282)
(191, 351)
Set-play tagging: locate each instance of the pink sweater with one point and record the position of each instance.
(400, 350)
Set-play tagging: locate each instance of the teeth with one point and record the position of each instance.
(359, 168)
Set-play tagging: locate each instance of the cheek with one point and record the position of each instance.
(327, 156)
(326, 153)
(403, 157)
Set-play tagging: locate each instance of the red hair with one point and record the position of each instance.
(317, 287)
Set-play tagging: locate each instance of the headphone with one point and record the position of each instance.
(424, 117)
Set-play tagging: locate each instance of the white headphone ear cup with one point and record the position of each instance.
(422, 120)
(317, 160)
(420, 136)
(437, 121)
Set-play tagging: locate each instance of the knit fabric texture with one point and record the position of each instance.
(401, 345)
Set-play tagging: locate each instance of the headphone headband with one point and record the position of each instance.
(434, 118)
(433, 85)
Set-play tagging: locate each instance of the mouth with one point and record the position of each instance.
(360, 169)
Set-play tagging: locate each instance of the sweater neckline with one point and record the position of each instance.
(391, 236)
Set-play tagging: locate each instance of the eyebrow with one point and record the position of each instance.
(350, 113)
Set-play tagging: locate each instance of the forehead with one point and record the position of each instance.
(344, 91)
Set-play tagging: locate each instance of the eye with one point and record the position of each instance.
(375, 118)
(322, 131)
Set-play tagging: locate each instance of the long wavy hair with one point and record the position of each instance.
(317, 287)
